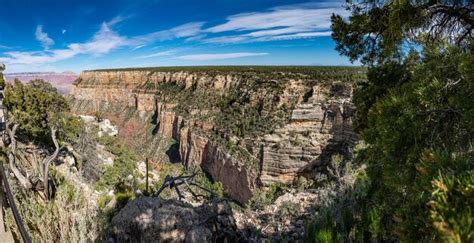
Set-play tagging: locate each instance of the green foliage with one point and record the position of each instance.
(451, 206)
(264, 197)
(416, 118)
(43, 86)
(259, 200)
(2, 81)
(324, 230)
(35, 107)
(115, 175)
(382, 78)
(70, 127)
(103, 200)
(377, 31)
(301, 183)
(164, 170)
(287, 209)
(423, 120)
(68, 217)
(374, 222)
(123, 198)
(324, 235)
(338, 72)
(346, 218)
(215, 187)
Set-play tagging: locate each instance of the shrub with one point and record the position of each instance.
(288, 209)
(115, 175)
(263, 197)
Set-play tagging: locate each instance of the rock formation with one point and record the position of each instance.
(149, 219)
(245, 128)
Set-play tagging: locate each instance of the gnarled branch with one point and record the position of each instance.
(47, 161)
(176, 182)
(12, 156)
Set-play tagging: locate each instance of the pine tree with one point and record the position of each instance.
(415, 112)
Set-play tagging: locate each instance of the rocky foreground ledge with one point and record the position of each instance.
(148, 219)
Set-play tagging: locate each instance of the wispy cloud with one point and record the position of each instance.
(117, 19)
(182, 31)
(102, 42)
(284, 22)
(158, 54)
(303, 35)
(196, 37)
(220, 56)
(137, 47)
(42, 37)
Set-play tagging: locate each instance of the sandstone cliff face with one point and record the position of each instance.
(317, 130)
(241, 147)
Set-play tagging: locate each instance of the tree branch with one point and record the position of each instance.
(176, 182)
(12, 156)
(47, 161)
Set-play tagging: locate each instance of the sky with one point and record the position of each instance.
(73, 35)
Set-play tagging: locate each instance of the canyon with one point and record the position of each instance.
(62, 81)
(246, 127)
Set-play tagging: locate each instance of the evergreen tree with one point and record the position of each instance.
(416, 114)
(2, 80)
(40, 114)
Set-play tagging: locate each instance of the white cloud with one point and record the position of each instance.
(183, 31)
(295, 36)
(227, 39)
(63, 31)
(219, 56)
(116, 20)
(102, 42)
(158, 54)
(137, 47)
(196, 37)
(42, 37)
(284, 22)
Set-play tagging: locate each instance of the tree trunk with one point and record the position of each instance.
(47, 161)
(11, 158)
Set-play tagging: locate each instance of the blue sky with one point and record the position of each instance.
(47, 35)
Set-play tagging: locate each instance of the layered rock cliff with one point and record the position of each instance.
(246, 127)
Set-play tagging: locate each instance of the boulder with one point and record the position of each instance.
(148, 219)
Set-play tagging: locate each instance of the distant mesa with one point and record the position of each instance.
(62, 81)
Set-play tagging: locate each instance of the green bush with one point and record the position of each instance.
(123, 198)
(288, 209)
(116, 175)
(451, 206)
(103, 200)
(263, 197)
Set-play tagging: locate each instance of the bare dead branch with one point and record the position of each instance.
(12, 158)
(35, 161)
(187, 180)
(47, 161)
